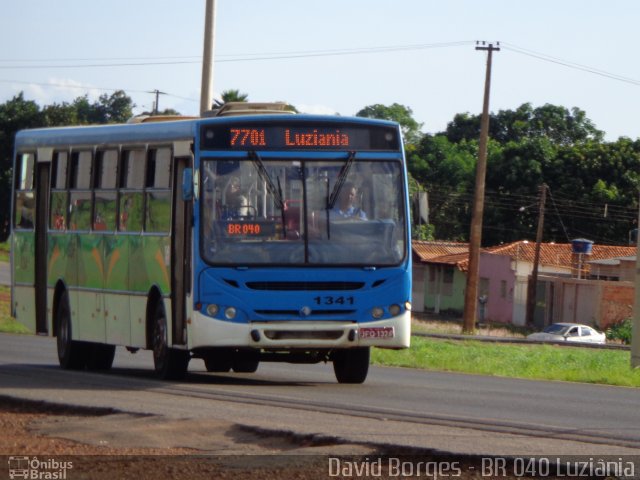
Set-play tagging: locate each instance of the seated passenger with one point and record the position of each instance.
(236, 204)
(345, 207)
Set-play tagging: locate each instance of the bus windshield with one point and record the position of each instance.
(302, 212)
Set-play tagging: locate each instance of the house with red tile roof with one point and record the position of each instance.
(437, 285)
(440, 270)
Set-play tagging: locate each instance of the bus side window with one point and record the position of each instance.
(58, 209)
(80, 195)
(25, 205)
(104, 215)
(131, 183)
(158, 193)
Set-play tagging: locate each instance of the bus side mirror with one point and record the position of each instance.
(187, 184)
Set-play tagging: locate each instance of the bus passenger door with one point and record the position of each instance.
(42, 216)
(180, 252)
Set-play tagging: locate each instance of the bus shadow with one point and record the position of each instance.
(206, 378)
(52, 377)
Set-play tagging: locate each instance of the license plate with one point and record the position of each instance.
(376, 332)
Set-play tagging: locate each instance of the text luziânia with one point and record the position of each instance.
(316, 139)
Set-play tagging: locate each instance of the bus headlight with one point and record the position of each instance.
(230, 313)
(377, 312)
(212, 310)
(394, 310)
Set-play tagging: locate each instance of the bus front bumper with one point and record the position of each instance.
(392, 333)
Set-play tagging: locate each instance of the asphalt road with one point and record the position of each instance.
(410, 408)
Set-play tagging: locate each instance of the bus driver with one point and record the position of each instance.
(345, 207)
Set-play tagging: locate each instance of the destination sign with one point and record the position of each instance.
(299, 137)
(248, 228)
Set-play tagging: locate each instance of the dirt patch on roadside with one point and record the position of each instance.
(102, 444)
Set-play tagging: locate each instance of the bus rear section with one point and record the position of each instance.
(301, 244)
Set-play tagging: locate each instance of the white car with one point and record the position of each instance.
(569, 332)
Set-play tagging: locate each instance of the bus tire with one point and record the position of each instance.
(72, 354)
(169, 363)
(219, 360)
(100, 356)
(351, 365)
(246, 361)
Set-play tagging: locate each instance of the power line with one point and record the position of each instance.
(511, 203)
(91, 87)
(246, 57)
(569, 64)
(101, 62)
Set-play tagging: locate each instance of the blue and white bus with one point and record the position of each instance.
(236, 238)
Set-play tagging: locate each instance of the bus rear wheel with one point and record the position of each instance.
(169, 363)
(351, 365)
(72, 355)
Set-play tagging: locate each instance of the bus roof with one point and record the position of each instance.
(164, 131)
(106, 134)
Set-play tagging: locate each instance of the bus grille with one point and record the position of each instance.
(305, 286)
(314, 313)
(303, 335)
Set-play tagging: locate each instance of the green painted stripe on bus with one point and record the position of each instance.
(24, 257)
(120, 263)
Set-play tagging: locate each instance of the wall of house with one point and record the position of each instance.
(519, 316)
(580, 301)
(498, 281)
(418, 287)
(522, 269)
(616, 303)
(445, 286)
(598, 303)
(628, 271)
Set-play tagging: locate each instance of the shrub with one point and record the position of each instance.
(621, 331)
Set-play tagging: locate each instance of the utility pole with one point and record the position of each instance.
(475, 238)
(533, 281)
(156, 107)
(206, 89)
(635, 326)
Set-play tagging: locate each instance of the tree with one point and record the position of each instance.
(397, 113)
(593, 184)
(117, 107)
(447, 171)
(558, 124)
(515, 170)
(234, 96)
(166, 111)
(419, 230)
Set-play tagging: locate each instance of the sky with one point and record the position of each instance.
(333, 56)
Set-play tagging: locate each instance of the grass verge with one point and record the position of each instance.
(4, 252)
(539, 362)
(7, 322)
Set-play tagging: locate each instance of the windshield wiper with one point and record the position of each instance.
(276, 192)
(264, 175)
(342, 176)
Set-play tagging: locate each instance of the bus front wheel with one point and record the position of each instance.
(72, 355)
(169, 363)
(351, 365)
(219, 360)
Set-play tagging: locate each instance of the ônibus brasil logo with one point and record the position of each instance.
(36, 469)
